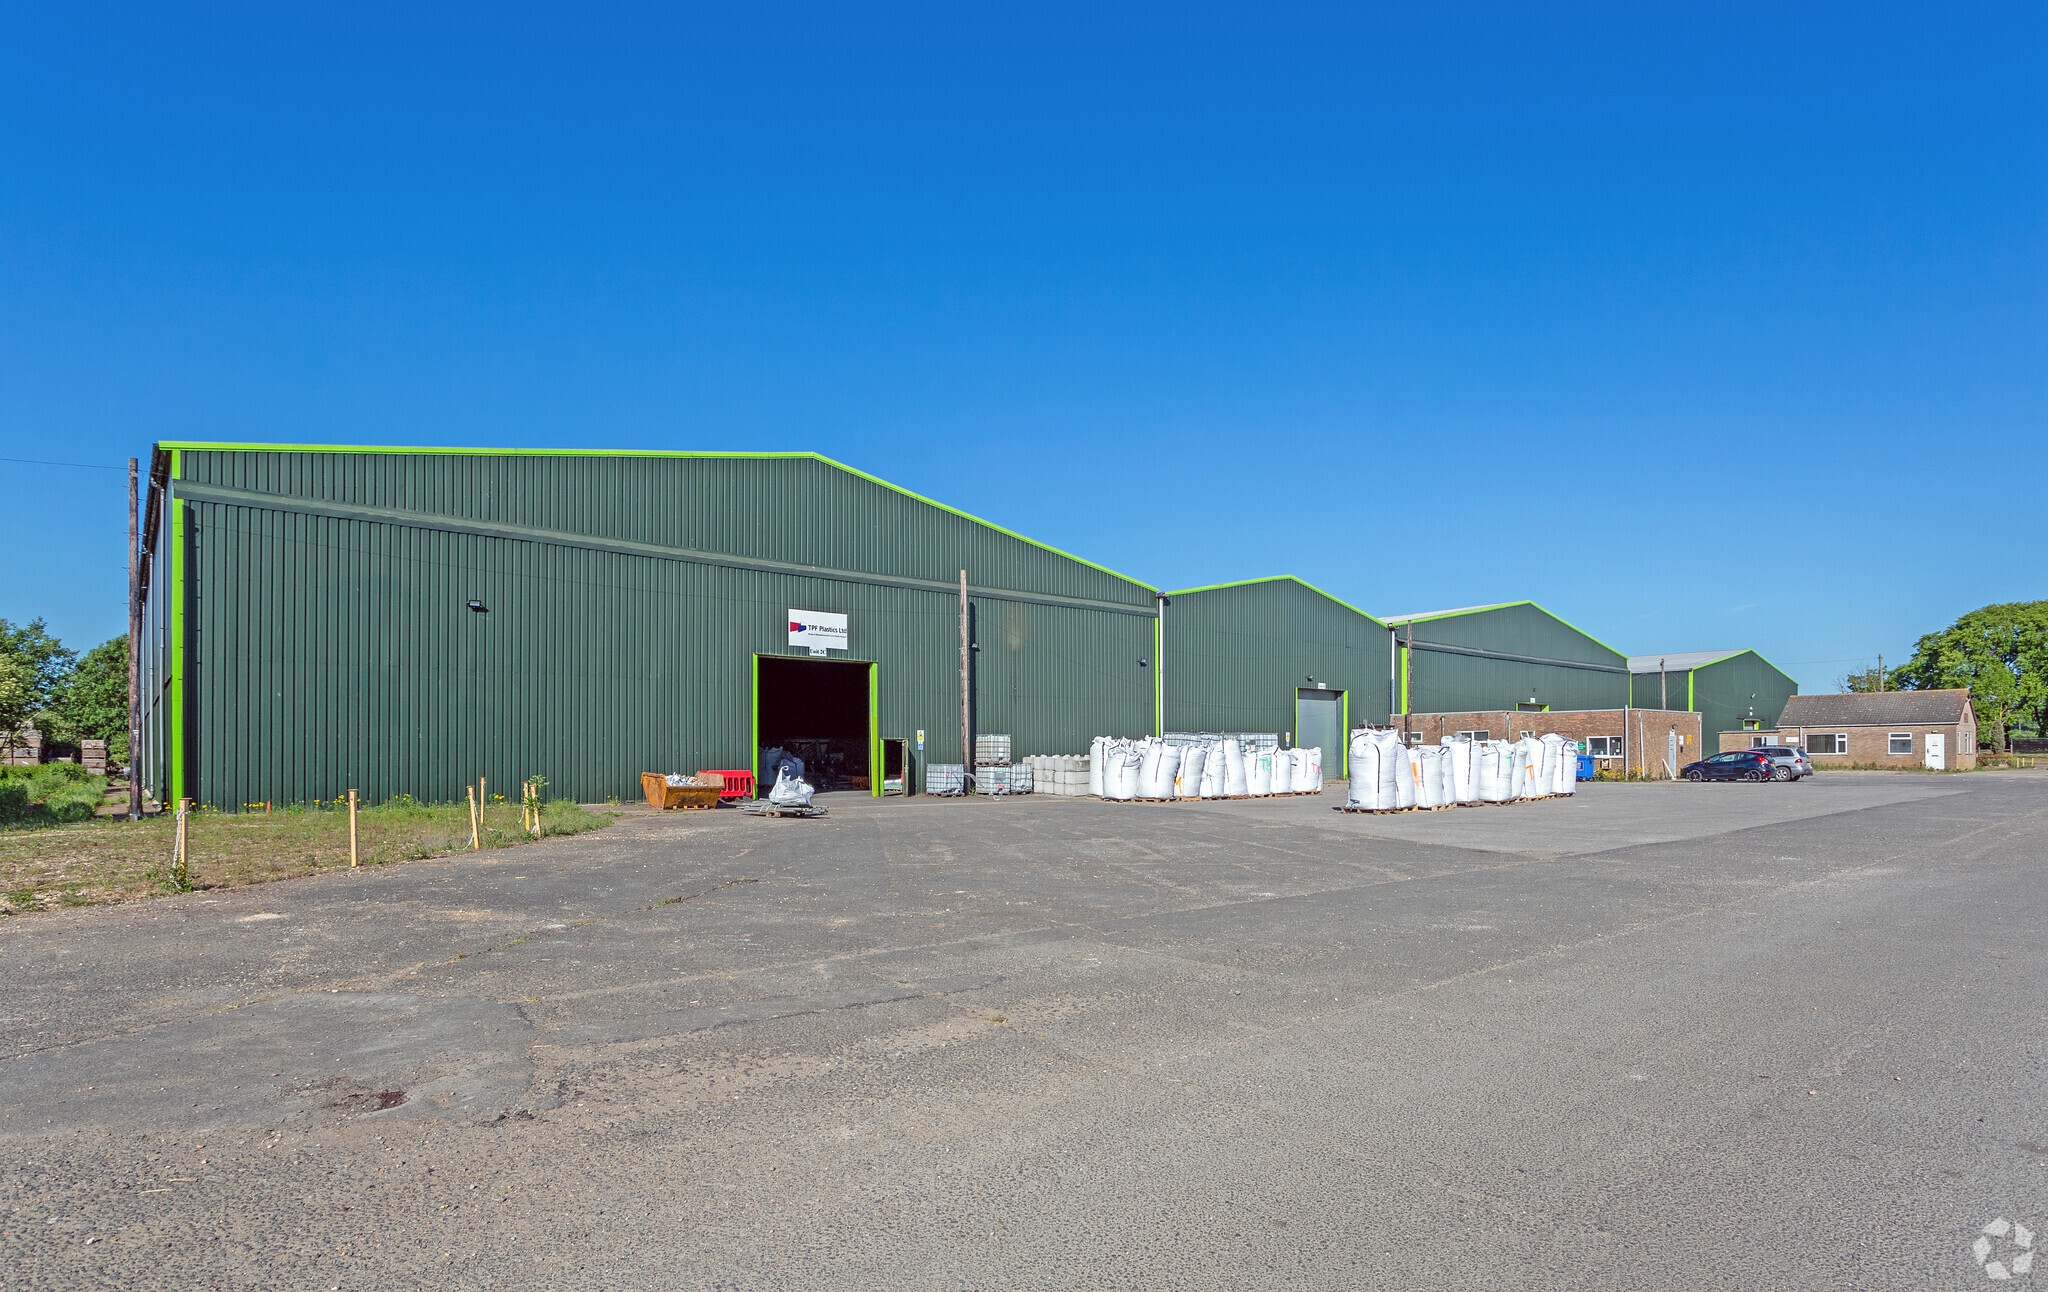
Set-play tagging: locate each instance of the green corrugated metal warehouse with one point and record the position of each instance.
(1727, 688)
(403, 621)
(1504, 656)
(1272, 655)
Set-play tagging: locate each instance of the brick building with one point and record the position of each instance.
(1648, 742)
(1936, 729)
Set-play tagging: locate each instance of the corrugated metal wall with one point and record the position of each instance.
(1722, 691)
(1236, 654)
(1499, 658)
(336, 651)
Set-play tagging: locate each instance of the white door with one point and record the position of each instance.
(1937, 751)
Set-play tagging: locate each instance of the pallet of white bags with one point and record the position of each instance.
(1359, 811)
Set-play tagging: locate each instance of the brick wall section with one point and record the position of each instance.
(1646, 732)
(1868, 745)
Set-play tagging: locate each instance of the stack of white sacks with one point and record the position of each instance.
(1059, 774)
(1154, 769)
(1388, 775)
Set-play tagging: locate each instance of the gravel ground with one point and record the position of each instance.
(1655, 1036)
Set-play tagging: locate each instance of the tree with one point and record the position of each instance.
(14, 705)
(2000, 652)
(42, 664)
(92, 703)
(1864, 681)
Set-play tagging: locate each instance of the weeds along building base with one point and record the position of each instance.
(404, 621)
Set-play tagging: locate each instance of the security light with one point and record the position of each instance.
(478, 606)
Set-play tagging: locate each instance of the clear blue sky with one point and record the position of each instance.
(1704, 329)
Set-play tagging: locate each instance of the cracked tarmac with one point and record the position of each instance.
(1652, 1036)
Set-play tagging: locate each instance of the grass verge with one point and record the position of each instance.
(114, 860)
(51, 794)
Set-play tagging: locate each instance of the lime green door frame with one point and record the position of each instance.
(874, 723)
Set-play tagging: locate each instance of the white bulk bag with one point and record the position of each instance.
(1283, 771)
(1258, 768)
(1236, 778)
(790, 791)
(1554, 759)
(1407, 770)
(1095, 765)
(1369, 785)
(1429, 792)
(1461, 773)
(1120, 760)
(1567, 779)
(1187, 783)
(1212, 770)
(1308, 771)
(1494, 761)
(1165, 779)
(1528, 768)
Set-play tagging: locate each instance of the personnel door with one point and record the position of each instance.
(1937, 751)
(1319, 724)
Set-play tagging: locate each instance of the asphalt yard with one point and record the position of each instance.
(1655, 1036)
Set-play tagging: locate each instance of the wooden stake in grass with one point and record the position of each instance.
(475, 836)
(181, 871)
(353, 856)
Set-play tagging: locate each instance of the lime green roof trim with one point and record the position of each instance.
(1279, 578)
(1398, 620)
(430, 450)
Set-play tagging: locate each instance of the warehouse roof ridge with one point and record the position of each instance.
(462, 451)
(1876, 709)
(1679, 660)
(1447, 614)
(1399, 620)
(1278, 578)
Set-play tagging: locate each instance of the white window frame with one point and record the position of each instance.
(1480, 736)
(1758, 742)
(1891, 743)
(1841, 739)
(1598, 746)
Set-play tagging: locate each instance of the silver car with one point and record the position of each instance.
(1791, 761)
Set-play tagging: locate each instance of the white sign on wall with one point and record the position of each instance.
(819, 630)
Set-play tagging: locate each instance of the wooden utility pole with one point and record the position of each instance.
(1663, 688)
(134, 643)
(1880, 670)
(966, 695)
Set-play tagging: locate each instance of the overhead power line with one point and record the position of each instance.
(85, 466)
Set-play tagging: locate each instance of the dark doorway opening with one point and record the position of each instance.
(819, 710)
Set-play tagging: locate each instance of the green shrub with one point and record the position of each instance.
(52, 794)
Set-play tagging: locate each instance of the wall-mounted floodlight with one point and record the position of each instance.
(1144, 663)
(478, 606)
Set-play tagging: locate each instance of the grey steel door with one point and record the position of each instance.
(1319, 724)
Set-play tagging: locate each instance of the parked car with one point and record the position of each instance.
(1791, 761)
(1742, 765)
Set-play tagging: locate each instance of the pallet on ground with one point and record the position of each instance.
(762, 807)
